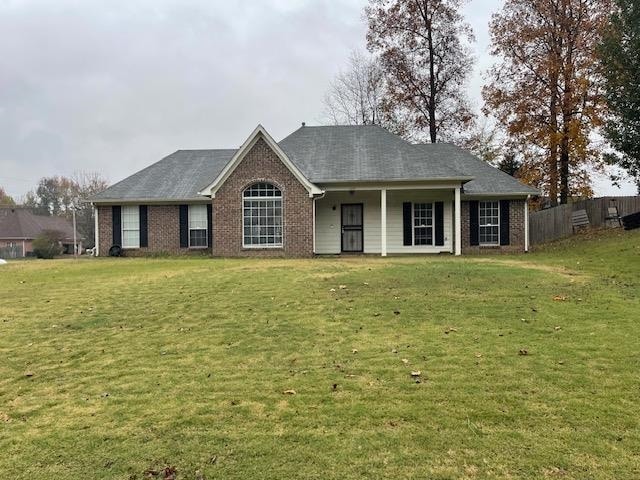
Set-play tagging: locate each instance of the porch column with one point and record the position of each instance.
(96, 235)
(457, 226)
(383, 221)
(526, 224)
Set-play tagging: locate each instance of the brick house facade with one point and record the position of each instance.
(344, 209)
(261, 164)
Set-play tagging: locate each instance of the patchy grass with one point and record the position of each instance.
(122, 368)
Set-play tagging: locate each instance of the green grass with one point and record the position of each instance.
(140, 364)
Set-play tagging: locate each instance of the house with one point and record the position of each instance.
(19, 227)
(321, 190)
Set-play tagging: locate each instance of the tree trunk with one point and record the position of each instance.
(564, 168)
(432, 85)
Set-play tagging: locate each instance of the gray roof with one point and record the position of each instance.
(486, 178)
(179, 176)
(359, 154)
(20, 223)
(324, 155)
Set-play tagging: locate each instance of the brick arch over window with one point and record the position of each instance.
(261, 164)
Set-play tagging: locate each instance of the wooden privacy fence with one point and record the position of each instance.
(554, 223)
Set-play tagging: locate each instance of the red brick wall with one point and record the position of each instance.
(516, 230)
(261, 164)
(163, 230)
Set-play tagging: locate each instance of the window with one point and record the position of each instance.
(423, 223)
(131, 226)
(489, 223)
(198, 226)
(262, 216)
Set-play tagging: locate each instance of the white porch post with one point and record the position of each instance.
(458, 226)
(526, 224)
(96, 235)
(383, 221)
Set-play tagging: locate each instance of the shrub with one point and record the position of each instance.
(47, 244)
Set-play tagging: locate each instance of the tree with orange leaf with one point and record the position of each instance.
(545, 89)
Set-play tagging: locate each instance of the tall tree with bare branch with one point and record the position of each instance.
(424, 50)
(356, 94)
(546, 91)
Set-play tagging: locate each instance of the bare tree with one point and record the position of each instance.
(356, 94)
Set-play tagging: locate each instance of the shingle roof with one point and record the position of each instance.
(360, 153)
(20, 223)
(486, 178)
(179, 176)
(324, 155)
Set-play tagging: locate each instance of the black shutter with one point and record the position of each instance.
(439, 213)
(144, 231)
(406, 224)
(184, 226)
(209, 225)
(116, 222)
(474, 223)
(504, 222)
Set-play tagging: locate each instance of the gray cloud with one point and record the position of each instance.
(114, 86)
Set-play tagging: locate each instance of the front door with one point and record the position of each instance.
(352, 235)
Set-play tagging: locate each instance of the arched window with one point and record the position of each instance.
(262, 216)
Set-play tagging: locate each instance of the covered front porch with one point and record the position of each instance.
(388, 220)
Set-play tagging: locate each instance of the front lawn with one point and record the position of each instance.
(529, 366)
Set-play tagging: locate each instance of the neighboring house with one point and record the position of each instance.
(321, 190)
(19, 227)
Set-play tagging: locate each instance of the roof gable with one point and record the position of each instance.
(257, 134)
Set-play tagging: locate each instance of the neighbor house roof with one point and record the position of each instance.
(327, 154)
(20, 224)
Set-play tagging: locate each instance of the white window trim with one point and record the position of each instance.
(266, 246)
(206, 229)
(122, 229)
(480, 225)
(432, 227)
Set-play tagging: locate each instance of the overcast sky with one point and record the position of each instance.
(112, 86)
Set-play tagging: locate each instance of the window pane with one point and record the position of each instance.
(262, 215)
(198, 217)
(262, 190)
(489, 219)
(423, 224)
(197, 238)
(130, 226)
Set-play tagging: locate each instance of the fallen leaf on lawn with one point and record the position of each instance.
(560, 298)
(416, 373)
(332, 290)
(366, 284)
(289, 392)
